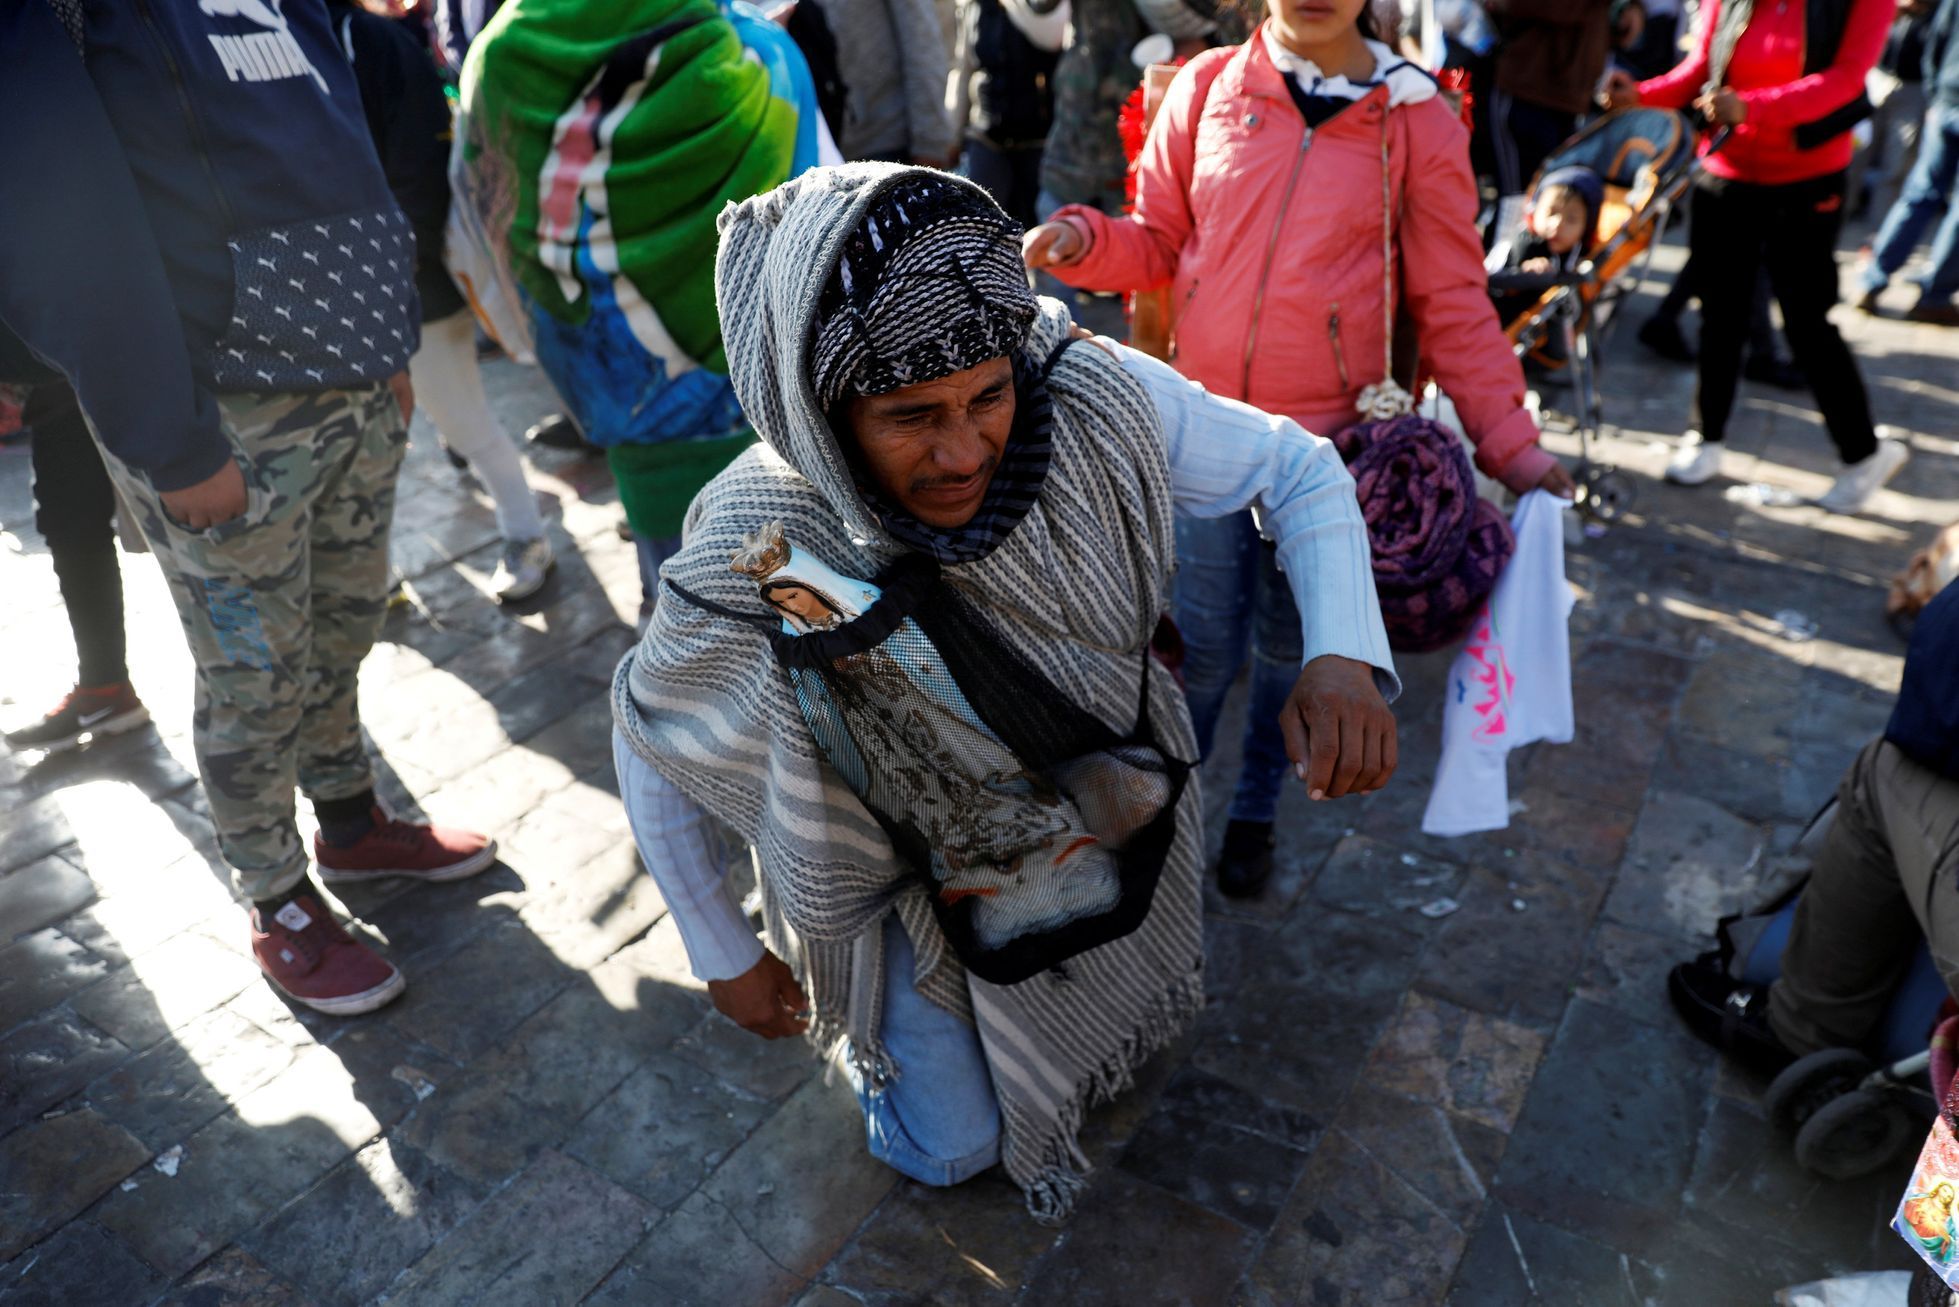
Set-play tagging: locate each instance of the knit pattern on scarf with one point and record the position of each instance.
(1076, 589)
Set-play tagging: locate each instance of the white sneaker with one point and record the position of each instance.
(1696, 460)
(1861, 479)
(522, 570)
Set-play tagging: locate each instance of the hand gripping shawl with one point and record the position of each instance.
(1076, 589)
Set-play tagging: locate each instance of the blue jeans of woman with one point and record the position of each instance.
(1232, 602)
(937, 1121)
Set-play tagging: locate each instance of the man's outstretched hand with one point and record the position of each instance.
(1339, 732)
(765, 999)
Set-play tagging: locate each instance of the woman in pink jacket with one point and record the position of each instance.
(1260, 201)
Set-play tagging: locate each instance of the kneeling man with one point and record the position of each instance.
(907, 654)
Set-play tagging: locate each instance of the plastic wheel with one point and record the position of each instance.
(1808, 1083)
(1607, 494)
(1853, 1135)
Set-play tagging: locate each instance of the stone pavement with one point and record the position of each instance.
(1489, 1107)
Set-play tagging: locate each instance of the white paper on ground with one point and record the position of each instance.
(1866, 1289)
(1511, 684)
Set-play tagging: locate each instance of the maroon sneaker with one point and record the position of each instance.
(401, 848)
(307, 956)
(87, 713)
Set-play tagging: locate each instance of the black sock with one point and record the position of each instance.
(344, 821)
(269, 908)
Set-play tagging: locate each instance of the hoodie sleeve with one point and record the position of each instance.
(1681, 85)
(1140, 250)
(1822, 93)
(81, 278)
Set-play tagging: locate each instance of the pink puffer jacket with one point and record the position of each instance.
(1270, 237)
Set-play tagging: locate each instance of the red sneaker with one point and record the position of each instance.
(87, 713)
(401, 848)
(307, 956)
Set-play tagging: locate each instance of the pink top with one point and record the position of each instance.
(1767, 71)
(1269, 236)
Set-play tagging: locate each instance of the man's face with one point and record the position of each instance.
(934, 446)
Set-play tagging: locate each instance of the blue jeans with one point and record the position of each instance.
(1931, 190)
(652, 553)
(938, 1120)
(1232, 600)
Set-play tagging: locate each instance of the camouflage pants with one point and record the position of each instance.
(279, 606)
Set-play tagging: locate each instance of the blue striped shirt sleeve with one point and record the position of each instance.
(1226, 456)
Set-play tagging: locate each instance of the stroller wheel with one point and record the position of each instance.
(1853, 1135)
(1808, 1083)
(1605, 494)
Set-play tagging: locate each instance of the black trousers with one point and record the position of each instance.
(1011, 177)
(75, 510)
(1523, 136)
(1739, 231)
(1761, 327)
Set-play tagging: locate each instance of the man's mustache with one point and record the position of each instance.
(986, 469)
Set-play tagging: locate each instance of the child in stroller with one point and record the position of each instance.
(1558, 316)
(1560, 230)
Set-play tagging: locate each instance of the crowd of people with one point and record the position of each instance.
(839, 291)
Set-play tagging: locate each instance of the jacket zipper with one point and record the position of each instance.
(1339, 354)
(1271, 248)
(190, 116)
(1182, 314)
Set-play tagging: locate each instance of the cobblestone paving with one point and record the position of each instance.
(1492, 1107)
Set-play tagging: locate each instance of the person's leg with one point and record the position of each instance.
(652, 554)
(449, 387)
(1799, 245)
(991, 170)
(1727, 245)
(1761, 326)
(938, 1119)
(1535, 131)
(1942, 279)
(1927, 192)
(1686, 286)
(1880, 883)
(1025, 208)
(1212, 604)
(1277, 650)
(243, 595)
(357, 451)
(75, 509)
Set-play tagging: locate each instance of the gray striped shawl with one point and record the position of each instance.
(1076, 588)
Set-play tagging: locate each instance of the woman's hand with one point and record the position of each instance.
(1621, 90)
(1558, 482)
(1052, 245)
(1723, 108)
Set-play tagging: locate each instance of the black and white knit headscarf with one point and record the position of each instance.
(930, 283)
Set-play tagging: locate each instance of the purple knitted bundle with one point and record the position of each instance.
(1416, 492)
(1438, 549)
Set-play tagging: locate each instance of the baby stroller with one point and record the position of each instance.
(1851, 1110)
(1646, 159)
